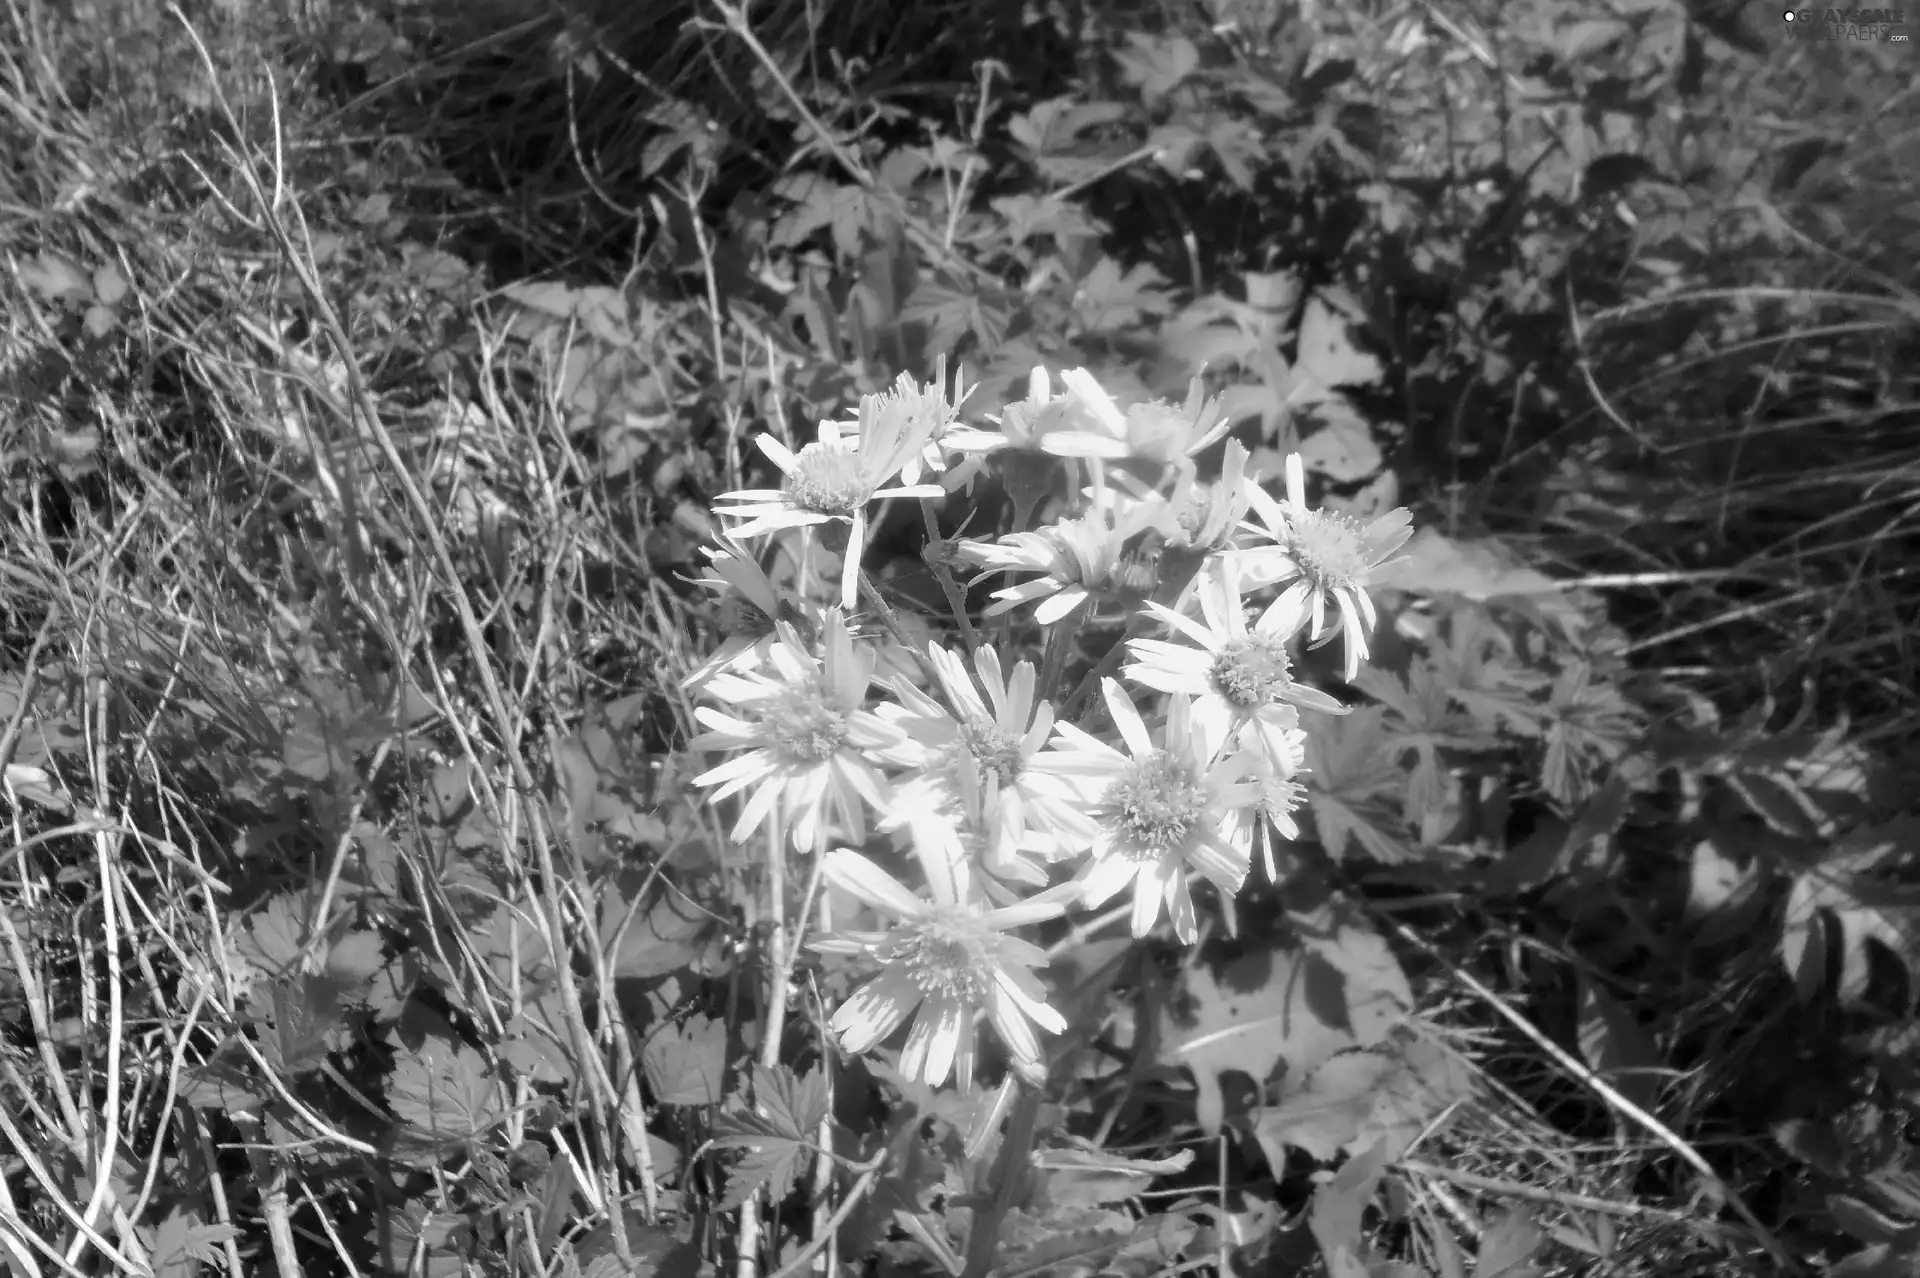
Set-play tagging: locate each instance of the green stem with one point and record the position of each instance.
(956, 598)
(1009, 1182)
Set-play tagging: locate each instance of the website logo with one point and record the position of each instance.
(1844, 26)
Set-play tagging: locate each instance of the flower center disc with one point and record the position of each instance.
(1156, 804)
(1329, 549)
(804, 728)
(826, 480)
(948, 951)
(994, 752)
(1253, 672)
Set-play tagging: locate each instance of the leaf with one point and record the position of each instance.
(1343, 448)
(1092, 1177)
(1428, 1077)
(1328, 1112)
(1156, 65)
(1056, 124)
(1481, 569)
(221, 1084)
(1355, 786)
(1292, 1005)
(274, 939)
(1863, 913)
(304, 1013)
(355, 957)
(316, 744)
(1324, 354)
(771, 1159)
(444, 1090)
(792, 1110)
(798, 1102)
(1507, 1249)
(657, 940)
(1109, 299)
(1339, 1207)
(535, 1054)
(183, 1242)
(1382, 1097)
(685, 1063)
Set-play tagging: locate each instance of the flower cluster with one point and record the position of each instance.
(847, 739)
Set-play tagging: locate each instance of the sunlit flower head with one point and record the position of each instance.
(1155, 431)
(911, 411)
(831, 481)
(1043, 422)
(811, 749)
(943, 962)
(1160, 810)
(748, 606)
(1205, 517)
(1240, 676)
(970, 744)
(969, 827)
(1327, 557)
(1079, 561)
(1270, 818)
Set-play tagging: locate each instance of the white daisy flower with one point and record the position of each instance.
(1326, 556)
(911, 410)
(969, 828)
(1205, 517)
(811, 748)
(1079, 560)
(1058, 425)
(831, 481)
(1160, 811)
(943, 963)
(1029, 439)
(1155, 431)
(1271, 817)
(995, 745)
(1239, 677)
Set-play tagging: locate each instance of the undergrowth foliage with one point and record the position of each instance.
(1114, 639)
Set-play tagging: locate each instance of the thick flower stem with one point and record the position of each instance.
(1009, 1182)
(774, 1024)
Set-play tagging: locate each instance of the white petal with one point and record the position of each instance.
(948, 1018)
(1012, 1025)
(756, 809)
(1180, 906)
(1202, 635)
(850, 564)
(1147, 889)
(875, 1010)
(779, 453)
(1057, 608)
(849, 871)
(1212, 858)
(963, 1061)
(1095, 397)
(1132, 730)
(1032, 1007)
(1104, 878)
